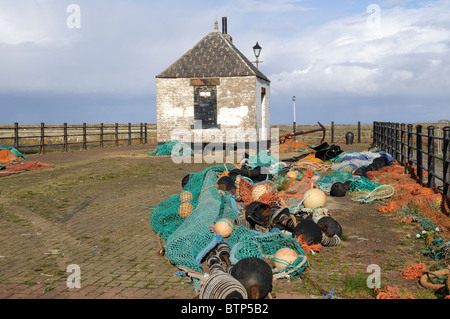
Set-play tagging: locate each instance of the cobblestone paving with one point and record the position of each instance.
(92, 211)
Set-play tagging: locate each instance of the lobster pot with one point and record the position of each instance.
(223, 286)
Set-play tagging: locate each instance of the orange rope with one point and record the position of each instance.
(414, 271)
(389, 293)
(306, 247)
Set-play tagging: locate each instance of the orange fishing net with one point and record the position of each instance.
(389, 293)
(431, 203)
(294, 190)
(6, 156)
(414, 271)
(27, 166)
(306, 247)
(294, 146)
(248, 192)
(310, 158)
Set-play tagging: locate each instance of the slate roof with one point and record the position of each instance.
(212, 56)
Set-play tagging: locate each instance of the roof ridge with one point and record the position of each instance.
(244, 59)
(197, 62)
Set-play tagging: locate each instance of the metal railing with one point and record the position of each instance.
(45, 137)
(415, 148)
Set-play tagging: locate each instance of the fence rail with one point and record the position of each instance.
(46, 137)
(415, 148)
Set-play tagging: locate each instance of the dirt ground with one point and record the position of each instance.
(92, 210)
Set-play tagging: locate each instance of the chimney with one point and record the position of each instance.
(224, 29)
(224, 25)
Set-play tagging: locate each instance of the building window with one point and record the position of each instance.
(205, 105)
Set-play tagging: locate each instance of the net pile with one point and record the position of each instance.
(172, 148)
(414, 203)
(294, 146)
(408, 192)
(189, 239)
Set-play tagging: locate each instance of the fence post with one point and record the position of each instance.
(141, 134)
(410, 127)
(431, 160)
(16, 135)
(129, 133)
(101, 135)
(332, 132)
(419, 152)
(145, 133)
(65, 137)
(359, 131)
(397, 141)
(117, 134)
(446, 158)
(84, 137)
(374, 133)
(388, 138)
(402, 142)
(42, 144)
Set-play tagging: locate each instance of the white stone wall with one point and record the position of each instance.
(263, 109)
(174, 106)
(239, 110)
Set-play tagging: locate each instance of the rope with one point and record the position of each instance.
(217, 239)
(414, 271)
(380, 192)
(209, 187)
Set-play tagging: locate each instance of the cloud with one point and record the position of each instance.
(355, 60)
(407, 55)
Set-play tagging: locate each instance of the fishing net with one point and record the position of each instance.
(366, 191)
(189, 239)
(414, 203)
(294, 146)
(328, 179)
(172, 148)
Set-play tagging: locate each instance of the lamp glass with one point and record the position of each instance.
(257, 50)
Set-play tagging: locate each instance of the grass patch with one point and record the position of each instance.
(355, 286)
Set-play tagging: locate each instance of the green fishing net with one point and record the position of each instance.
(188, 240)
(172, 148)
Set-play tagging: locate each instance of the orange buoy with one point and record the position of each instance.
(292, 175)
(284, 257)
(186, 197)
(224, 227)
(314, 198)
(185, 210)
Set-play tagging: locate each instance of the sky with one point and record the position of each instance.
(95, 61)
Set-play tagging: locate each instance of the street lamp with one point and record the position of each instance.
(294, 124)
(257, 51)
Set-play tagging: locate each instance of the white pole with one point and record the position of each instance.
(293, 99)
(294, 124)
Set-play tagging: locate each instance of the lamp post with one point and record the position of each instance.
(257, 51)
(294, 124)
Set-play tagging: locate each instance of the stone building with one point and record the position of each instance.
(211, 94)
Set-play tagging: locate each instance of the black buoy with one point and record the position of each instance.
(255, 275)
(338, 189)
(309, 230)
(349, 138)
(226, 183)
(330, 226)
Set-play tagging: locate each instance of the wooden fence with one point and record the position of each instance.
(43, 138)
(64, 137)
